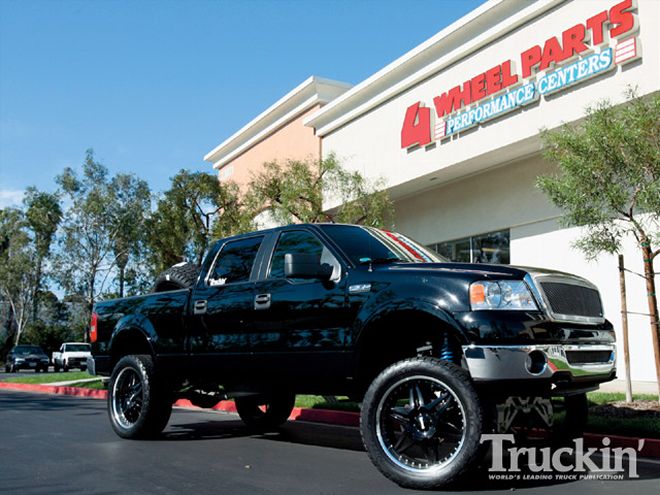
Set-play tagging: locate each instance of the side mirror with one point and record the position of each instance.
(306, 266)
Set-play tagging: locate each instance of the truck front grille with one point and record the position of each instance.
(589, 357)
(568, 299)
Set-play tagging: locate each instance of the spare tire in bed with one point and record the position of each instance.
(180, 276)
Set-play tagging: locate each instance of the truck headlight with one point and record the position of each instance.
(501, 294)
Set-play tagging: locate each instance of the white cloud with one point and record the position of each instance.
(10, 197)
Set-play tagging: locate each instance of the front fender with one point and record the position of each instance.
(373, 314)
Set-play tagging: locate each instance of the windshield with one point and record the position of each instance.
(77, 347)
(370, 245)
(28, 349)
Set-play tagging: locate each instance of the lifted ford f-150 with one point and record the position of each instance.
(437, 352)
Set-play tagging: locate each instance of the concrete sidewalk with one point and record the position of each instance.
(638, 387)
(71, 382)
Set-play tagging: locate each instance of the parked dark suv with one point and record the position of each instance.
(29, 357)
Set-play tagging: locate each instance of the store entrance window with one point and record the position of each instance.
(492, 247)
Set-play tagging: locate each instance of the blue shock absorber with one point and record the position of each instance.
(446, 352)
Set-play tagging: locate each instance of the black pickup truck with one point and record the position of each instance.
(437, 352)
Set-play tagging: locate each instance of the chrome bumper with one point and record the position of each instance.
(516, 362)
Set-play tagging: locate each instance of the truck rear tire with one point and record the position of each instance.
(265, 413)
(576, 415)
(139, 402)
(179, 276)
(421, 423)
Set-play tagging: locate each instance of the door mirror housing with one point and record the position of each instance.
(306, 266)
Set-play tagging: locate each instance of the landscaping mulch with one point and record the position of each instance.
(648, 409)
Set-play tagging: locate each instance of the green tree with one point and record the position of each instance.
(295, 192)
(17, 276)
(130, 205)
(43, 214)
(86, 258)
(196, 208)
(609, 183)
(54, 325)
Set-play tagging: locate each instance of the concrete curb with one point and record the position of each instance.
(650, 446)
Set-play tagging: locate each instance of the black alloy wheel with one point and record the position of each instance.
(139, 404)
(421, 423)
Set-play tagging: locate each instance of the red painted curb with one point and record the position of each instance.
(54, 389)
(650, 446)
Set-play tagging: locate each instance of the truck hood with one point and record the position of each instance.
(479, 269)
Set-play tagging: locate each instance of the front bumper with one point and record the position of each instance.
(555, 362)
(31, 365)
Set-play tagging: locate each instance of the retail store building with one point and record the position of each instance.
(453, 127)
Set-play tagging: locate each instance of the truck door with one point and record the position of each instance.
(300, 325)
(222, 305)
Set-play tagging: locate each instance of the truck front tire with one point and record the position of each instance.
(265, 413)
(421, 423)
(139, 403)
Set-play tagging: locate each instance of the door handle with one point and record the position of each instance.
(200, 307)
(262, 301)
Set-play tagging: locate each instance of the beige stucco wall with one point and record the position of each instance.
(291, 141)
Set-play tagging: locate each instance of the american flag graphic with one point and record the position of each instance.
(440, 129)
(625, 50)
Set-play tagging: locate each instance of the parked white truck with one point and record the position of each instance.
(71, 355)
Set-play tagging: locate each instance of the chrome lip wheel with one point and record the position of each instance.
(127, 398)
(421, 424)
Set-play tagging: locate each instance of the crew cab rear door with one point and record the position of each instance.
(222, 303)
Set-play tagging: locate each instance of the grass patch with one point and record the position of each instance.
(599, 422)
(44, 378)
(609, 397)
(632, 427)
(97, 385)
(318, 402)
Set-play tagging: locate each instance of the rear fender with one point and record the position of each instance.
(131, 330)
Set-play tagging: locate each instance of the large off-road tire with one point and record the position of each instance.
(56, 368)
(139, 401)
(421, 423)
(265, 413)
(179, 276)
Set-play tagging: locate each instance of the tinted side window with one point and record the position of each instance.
(296, 242)
(234, 263)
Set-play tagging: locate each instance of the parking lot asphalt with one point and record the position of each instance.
(52, 444)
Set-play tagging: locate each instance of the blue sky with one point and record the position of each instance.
(154, 85)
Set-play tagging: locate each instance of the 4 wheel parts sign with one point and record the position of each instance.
(605, 40)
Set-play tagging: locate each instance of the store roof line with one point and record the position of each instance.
(314, 90)
(488, 22)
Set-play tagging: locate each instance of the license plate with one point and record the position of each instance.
(33, 365)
